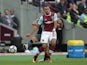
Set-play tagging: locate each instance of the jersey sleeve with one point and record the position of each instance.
(40, 21)
(55, 18)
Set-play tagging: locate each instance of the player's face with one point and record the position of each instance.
(11, 12)
(47, 10)
(6, 12)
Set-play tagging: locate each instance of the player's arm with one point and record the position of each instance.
(35, 23)
(32, 32)
(36, 26)
(55, 19)
(40, 21)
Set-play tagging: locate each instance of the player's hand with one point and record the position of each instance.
(27, 35)
(34, 23)
(53, 31)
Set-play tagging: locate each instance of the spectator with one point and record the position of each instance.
(68, 12)
(57, 1)
(81, 6)
(62, 8)
(71, 1)
(83, 19)
(7, 19)
(74, 14)
(15, 20)
(70, 7)
(59, 31)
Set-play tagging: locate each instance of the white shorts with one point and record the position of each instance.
(46, 36)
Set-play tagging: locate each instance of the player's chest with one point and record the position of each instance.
(48, 18)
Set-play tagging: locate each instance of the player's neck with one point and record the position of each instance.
(48, 14)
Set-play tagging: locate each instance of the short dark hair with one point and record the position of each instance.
(46, 5)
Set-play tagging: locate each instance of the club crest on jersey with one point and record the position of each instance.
(48, 22)
(45, 20)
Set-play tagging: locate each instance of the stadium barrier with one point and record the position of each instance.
(85, 51)
(75, 49)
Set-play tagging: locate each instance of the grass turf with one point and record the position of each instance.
(27, 60)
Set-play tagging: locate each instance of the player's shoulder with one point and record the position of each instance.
(53, 13)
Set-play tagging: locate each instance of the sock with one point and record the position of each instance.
(35, 57)
(41, 49)
(52, 48)
(48, 55)
(45, 57)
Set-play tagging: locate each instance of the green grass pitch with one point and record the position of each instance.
(27, 60)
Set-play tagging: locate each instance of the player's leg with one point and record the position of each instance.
(34, 39)
(29, 45)
(53, 45)
(53, 40)
(44, 40)
(47, 54)
(50, 50)
(45, 58)
(41, 49)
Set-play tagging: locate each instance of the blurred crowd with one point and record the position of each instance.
(70, 10)
(9, 18)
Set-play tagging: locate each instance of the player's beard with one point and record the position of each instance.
(47, 13)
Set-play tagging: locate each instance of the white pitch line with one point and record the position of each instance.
(26, 54)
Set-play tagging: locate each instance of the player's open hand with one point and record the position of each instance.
(34, 23)
(54, 30)
(27, 35)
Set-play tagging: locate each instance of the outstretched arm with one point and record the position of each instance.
(55, 21)
(32, 32)
(36, 26)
